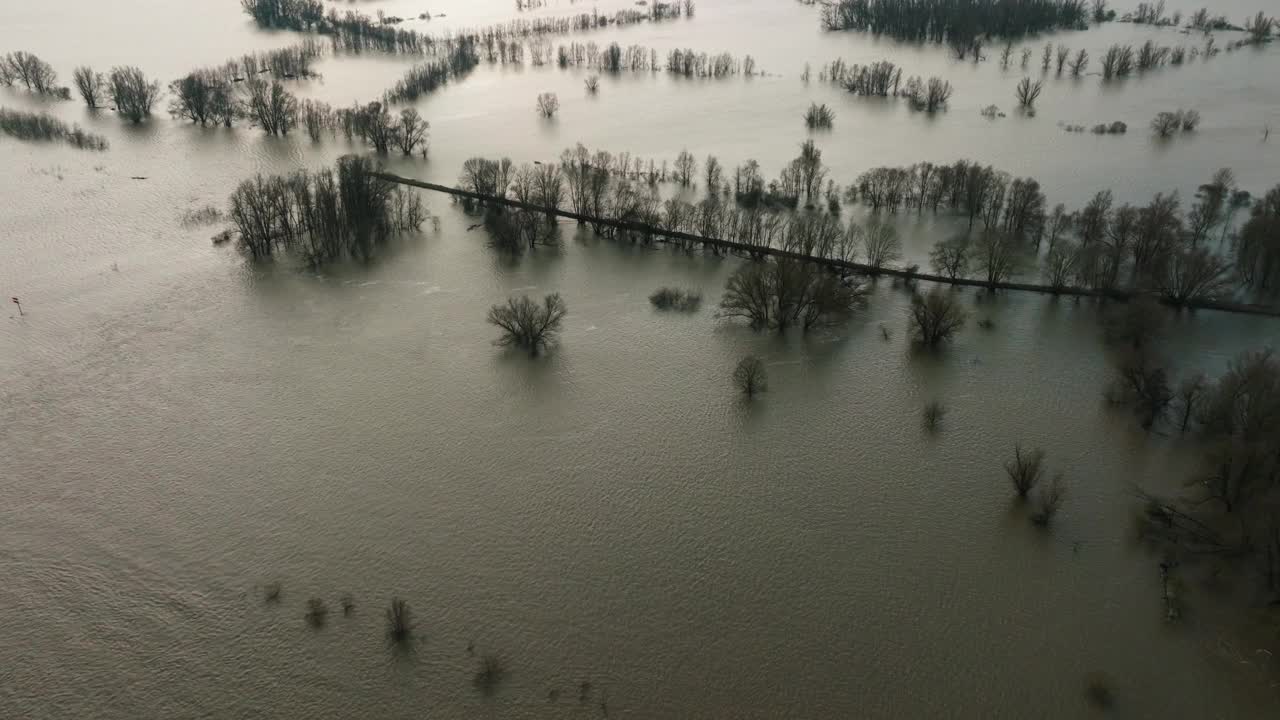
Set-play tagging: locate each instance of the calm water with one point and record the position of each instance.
(180, 428)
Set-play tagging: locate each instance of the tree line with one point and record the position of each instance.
(43, 126)
(322, 216)
(356, 31)
(961, 21)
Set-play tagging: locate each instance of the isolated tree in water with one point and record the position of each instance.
(528, 325)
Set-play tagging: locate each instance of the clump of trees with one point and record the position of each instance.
(132, 93)
(323, 216)
(528, 325)
(750, 376)
(780, 293)
(514, 231)
(667, 298)
(819, 117)
(44, 127)
(935, 317)
(953, 21)
(1165, 124)
(1233, 511)
(35, 74)
(885, 79)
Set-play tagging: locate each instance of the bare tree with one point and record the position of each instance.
(548, 104)
(272, 107)
(1166, 123)
(132, 93)
(1080, 63)
(1046, 502)
(1046, 57)
(686, 167)
(935, 317)
(881, 243)
(713, 171)
(819, 117)
(203, 96)
(998, 255)
(1190, 394)
(937, 93)
(1027, 92)
(1025, 470)
(411, 133)
(90, 85)
(375, 126)
(37, 75)
(593, 84)
(1063, 53)
(549, 185)
(1192, 274)
(399, 620)
(950, 257)
(750, 376)
(528, 325)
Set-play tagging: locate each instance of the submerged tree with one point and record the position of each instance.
(548, 104)
(1047, 501)
(935, 317)
(132, 93)
(399, 620)
(270, 106)
(35, 74)
(90, 85)
(1027, 92)
(411, 132)
(819, 117)
(750, 376)
(528, 325)
(1025, 470)
(203, 96)
(784, 292)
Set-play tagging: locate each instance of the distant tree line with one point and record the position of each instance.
(427, 77)
(354, 31)
(322, 216)
(961, 21)
(614, 58)
(43, 126)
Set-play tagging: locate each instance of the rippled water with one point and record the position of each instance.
(180, 428)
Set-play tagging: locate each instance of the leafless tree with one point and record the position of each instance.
(549, 185)
(713, 172)
(548, 104)
(1047, 501)
(411, 133)
(1025, 470)
(90, 85)
(203, 96)
(782, 293)
(528, 325)
(935, 317)
(937, 93)
(998, 256)
(881, 244)
(1063, 53)
(593, 84)
(686, 167)
(1191, 274)
(272, 107)
(1080, 63)
(37, 75)
(819, 117)
(132, 93)
(1027, 92)
(399, 620)
(1046, 57)
(950, 257)
(1188, 398)
(750, 376)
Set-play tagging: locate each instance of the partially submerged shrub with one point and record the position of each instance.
(676, 299)
(1025, 470)
(819, 117)
(934, 412)
(489, 672)
(45, 127)
(750, 376)
(1047, 501)
(936, 317)
(317, 612)
(399, 620)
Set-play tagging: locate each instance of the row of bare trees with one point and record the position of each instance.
(953, 20)
(323, 216)
(35, 74)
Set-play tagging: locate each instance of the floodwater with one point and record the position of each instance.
(181, 429)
